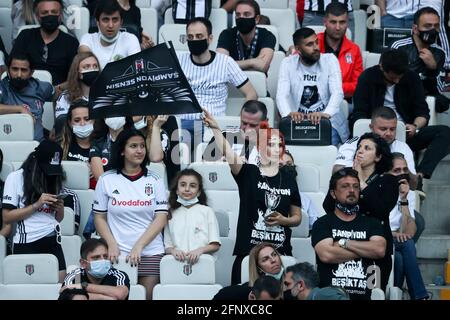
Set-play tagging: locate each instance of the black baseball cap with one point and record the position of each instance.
(48, 155)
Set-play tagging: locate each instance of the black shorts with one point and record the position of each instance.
(43, 245)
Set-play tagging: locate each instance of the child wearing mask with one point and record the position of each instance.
(192, 229)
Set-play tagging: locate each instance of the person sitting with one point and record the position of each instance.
(96, 276)
(266, 288)
(251, 47)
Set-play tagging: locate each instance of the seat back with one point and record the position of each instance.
(216, 175)
(272, 74)
(284, 20)
(86, 198)
(7, 168)
(160, 169)
(6, 26)
(185, 291)
(30, 291)
(17, 151)
(258, 81)
(149, 22)
(302, 230)
(16, 127)
(30, 269)
(286, 260)
(77, 174)
(227, 200)
(370, 59)
(126, 267)
(68, 222)
(361, 126)
(274, 31)
(303, 251)
(176, 272)
(223, 219)
(81, 20)
(273, 4)
(137, 291)
(225, 259)
(360, 36)
(2, 255)
(71, 247)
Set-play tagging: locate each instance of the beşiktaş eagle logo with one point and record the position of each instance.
(144, 78)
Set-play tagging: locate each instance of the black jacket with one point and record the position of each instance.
(409, 96)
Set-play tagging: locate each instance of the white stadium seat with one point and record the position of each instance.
(5, 3)
(175, 33)
(185, 291)
(223, 219)
(302, 230)
(77, 174)
(79, 20)
(286, 260)
(225, 260)
(143, 4)
(370, 59)
(216, 175)
(126, 267)
(68, 222)
(160, 169)
(71, 247)
(137, 292)
(274, 31)
(317, 198)
(176, 272)
(303, 251)
(257, 79)
(360, 36)
(17, 151)
(30, 269)
(227, 200)
(30, 291)
(16, 127)
(7, 168)
(6, 27)
(272, 74)
(149, 21)
(284, 20)
(2, 255)
(308, 177)
(361, 126)
(274, 4)
(86, 200)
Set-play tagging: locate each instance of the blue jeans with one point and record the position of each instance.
(389, 21)
(335, 138)
(192, 134)
(409, 269)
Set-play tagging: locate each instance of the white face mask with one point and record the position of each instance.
(83, 131)
(110, 40)
(186, 203)
(141, 123)
(115, 123)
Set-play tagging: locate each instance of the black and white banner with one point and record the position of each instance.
(150, 82)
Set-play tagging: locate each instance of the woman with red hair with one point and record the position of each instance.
(269, 198)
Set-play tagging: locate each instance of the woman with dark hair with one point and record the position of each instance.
(192, 229)
(132, 22)
(379, 190)
(83, 71)
(130, 207)
(269, 198)
(32, 200)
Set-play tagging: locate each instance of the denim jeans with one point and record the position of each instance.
(409, 269)
(389, 21)
(192, 134)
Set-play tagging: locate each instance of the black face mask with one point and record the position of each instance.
(197, 47)
(18, 83)
(245, 25)
(348, 209)
(89, 77)
(287, 295)
(403, 176)
(50, 23)
(429, 36)
(289, 169)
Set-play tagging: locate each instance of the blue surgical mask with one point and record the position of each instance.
(99, 268)
(276, 275)
(187, 203)
(141, 123)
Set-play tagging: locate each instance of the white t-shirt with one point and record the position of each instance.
(395, 217)
(63, 105)
(309, 208)
(389, 100)
(126, 45)
(191, 228)
(400, 9)
(39, 224)
(346, 153)
(310, 100)
(131, 207)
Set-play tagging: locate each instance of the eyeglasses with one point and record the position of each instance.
(45, 53)
(58, 233)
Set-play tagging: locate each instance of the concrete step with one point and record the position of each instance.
(433, 246)
(436, 291)
(441, 174)
(436, 208)
(430, 269)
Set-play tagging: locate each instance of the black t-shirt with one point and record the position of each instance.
(350, 275)
(228, 40)
(102, 148)
(257, 193)
(77, 153)
(234, 292)
(169, 144)
(132, 21)
(56, 59)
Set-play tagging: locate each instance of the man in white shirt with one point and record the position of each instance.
(310, 85)
(109, 44)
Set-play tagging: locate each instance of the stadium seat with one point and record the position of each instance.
(227, 200)
(160, 169)
(216, 175)
(185, 291)
(30, 291)
(308, 177)
(284, 20)
(80, 22)
(274, 31)
(176, 272)
(68, 222)
(7, 168)
(6, 26)
(321, 156)
(302, 230)
(77, 174)
(361, 126)
(302, 250)
(370, 59)
(234, 106)
(223, 219)
(175, 33)
(137, 291)
(431, 101)
(272, 74)
(16, 127)
(149, 21)
(86, 200)
(2, 255)
(71, 247)
(273, 4)
(225, 259)
(126, 267)
(143, 4)
(321, 28)
(30, 269)
(286, 260)
(5, 4)
(360, 36)
(48, 117)
(226, 123)
(17, 151)
(257, 79)
(42, 75)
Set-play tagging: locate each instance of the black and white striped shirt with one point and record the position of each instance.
(209, 81)
(319, 6)
(189, 9)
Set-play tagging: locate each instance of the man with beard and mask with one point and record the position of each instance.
(48, 47)
(392, 84)
(301, 282)
(109, 44)
(209, 74)
(425, 57)
(96, 275)
(251, 47)
(243, 141)
(346, 242)
(21, 93)
(310, 85)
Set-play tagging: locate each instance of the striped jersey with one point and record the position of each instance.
(319, 6)
(131, 207)
(189, 9)
(209, 81)
(39, 224)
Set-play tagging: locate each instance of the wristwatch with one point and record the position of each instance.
(404, 203)
(343, 243)
(84, 285)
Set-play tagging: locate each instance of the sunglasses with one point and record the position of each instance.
(58, 233)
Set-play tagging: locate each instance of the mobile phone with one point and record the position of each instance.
(61, 196)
